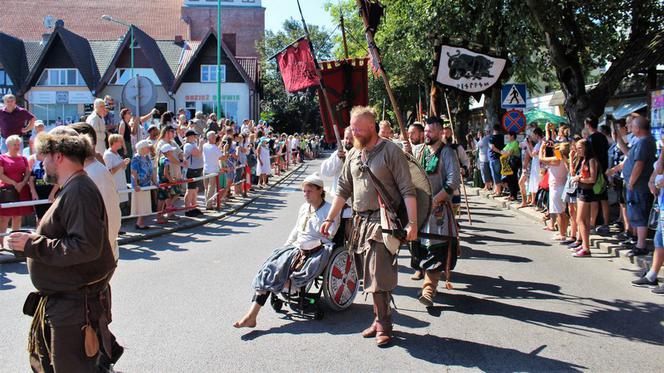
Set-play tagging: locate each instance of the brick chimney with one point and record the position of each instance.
(179, 40)
(231, 42)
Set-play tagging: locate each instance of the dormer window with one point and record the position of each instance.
(209, 73)
(60, 78)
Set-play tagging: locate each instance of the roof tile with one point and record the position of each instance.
(161, 19)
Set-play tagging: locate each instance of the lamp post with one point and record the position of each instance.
(219, 37)
(108, 18)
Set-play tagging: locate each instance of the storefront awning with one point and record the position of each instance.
(557, 99)
(627, 107)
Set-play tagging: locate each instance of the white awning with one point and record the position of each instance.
(627, 107)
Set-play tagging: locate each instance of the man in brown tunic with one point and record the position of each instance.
(70, 262)
(388, 163)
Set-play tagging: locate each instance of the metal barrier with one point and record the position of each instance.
(152, 187)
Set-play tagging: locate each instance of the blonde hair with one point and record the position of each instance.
(13, 139)
(363, 111)
(114, 138)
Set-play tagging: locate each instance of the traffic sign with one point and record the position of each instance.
(513, 96)
(514, 120)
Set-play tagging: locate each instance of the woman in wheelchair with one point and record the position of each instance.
(303, 257)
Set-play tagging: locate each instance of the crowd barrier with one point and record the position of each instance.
(154, 187)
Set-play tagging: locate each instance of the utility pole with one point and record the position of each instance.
(219, 40)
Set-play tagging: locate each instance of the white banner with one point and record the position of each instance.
(42, 97)
(468, 71)
(80, 97)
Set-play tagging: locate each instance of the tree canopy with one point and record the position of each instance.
(291, 112)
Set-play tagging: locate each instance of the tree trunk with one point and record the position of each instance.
(462, 118)
(492, 107)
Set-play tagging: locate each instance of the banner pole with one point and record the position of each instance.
(463, 182)
(376, 60)
(323, 90)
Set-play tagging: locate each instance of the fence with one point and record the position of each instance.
(153, 187)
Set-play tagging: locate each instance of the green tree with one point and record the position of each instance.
(297, 112)
(412, 28)
(582, 36)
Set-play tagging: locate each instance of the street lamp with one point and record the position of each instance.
(108, 18)
(219, 37)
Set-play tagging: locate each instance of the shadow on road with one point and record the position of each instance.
(455, 352)
(18, 268)
(469, 253)
(335, 323)
(637, 321)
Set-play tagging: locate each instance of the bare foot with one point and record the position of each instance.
(246, 322)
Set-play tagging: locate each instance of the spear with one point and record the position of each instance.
(378, 65)
(323, 90)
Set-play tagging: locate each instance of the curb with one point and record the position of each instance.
(604, 245)
(4, 258)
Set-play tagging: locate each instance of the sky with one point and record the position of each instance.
(276, 11)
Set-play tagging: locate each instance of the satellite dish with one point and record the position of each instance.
(140, 95)
(48, 22)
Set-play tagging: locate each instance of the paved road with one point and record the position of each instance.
(520, 304)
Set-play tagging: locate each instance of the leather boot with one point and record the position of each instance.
(429, 287)
(384, 316)
(370, 332)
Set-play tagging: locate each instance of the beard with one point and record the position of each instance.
(448, 140)
(50, 178)
(416, 142)
(348, 145)
(361, 142)
(430, 140)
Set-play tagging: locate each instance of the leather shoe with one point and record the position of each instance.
(383, 335)
(418, 275)
(370, 332)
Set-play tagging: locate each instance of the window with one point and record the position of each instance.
(60, 78)
(123, 75)
(4, 78)
(53, 114)
(209, 73)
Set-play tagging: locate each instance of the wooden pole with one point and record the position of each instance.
(323, 90)
(376, 60)
(343, 31)
(463, 182)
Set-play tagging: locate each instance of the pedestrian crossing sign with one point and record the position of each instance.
(513, 96)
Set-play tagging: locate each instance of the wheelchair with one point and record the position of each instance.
(335, 289)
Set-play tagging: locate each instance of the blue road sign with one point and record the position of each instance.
(513, 96)
(514, 120)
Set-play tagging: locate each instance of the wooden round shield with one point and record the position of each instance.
(423, 188)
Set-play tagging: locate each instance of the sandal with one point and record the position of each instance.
(143, 228)
(583, 253)
(559, 237)
(548, 229)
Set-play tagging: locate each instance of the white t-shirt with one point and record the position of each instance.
(211, 155)
(106, 185)
(113, 160)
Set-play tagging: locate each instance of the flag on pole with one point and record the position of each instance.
(347, 84)
(297, 67)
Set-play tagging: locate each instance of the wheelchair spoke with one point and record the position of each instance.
(340, 292)
(336, 273)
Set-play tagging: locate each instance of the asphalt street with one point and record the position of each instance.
(520, 303)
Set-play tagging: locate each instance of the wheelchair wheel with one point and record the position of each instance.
(276, 303)
(340, 280)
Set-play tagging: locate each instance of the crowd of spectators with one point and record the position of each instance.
(603, 181)
(149, 163)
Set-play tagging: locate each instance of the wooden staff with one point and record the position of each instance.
(378, 64)
(463, 182)
(323, 90)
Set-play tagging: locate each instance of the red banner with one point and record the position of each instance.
(347, 84)
(297, 67)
